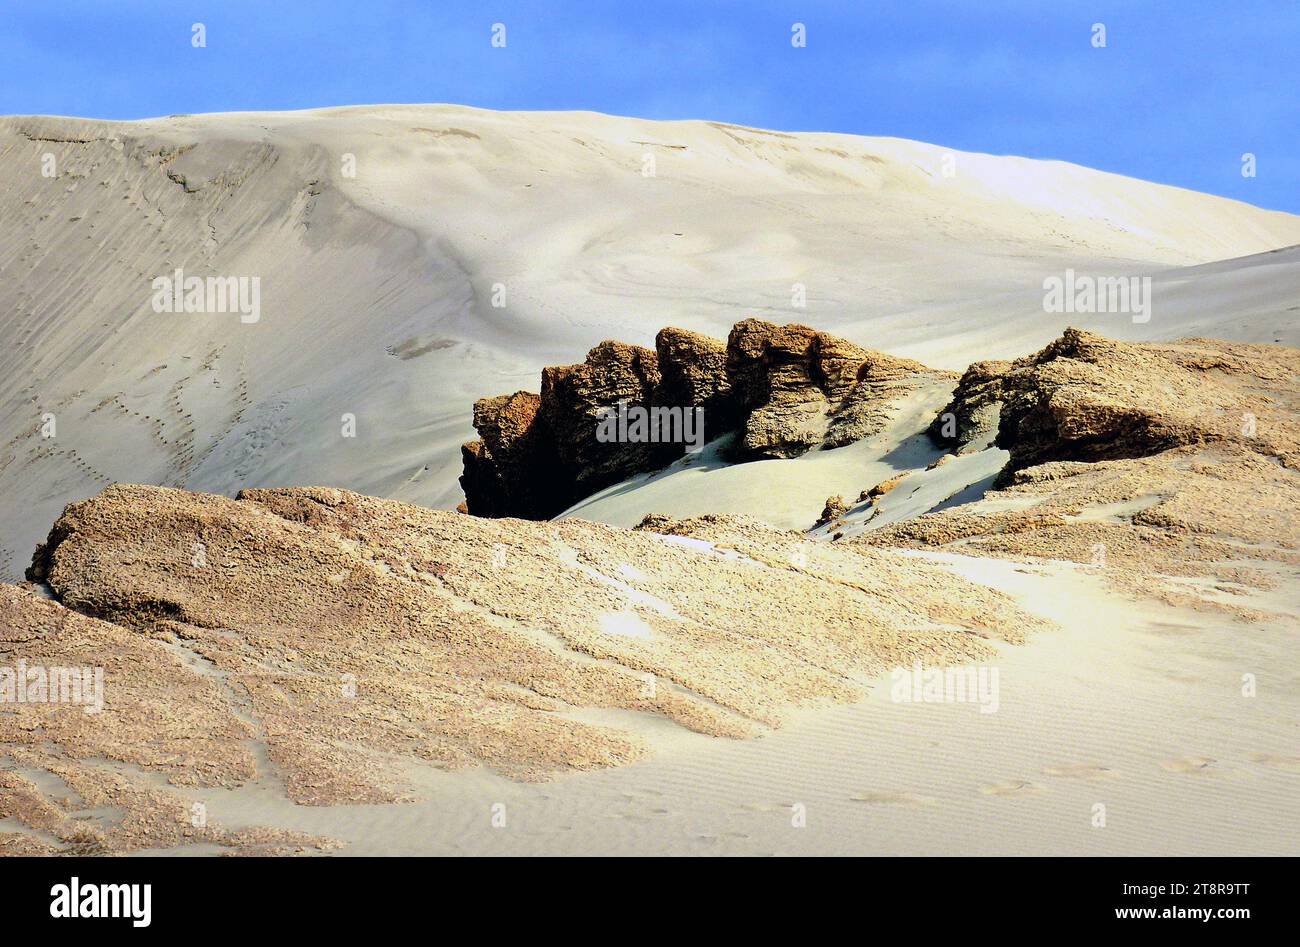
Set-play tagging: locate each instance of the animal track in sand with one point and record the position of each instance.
(630, 817)
(893, 799)
(1290, 764)
(1014, 787)
(1080, 771)
(1200, 765)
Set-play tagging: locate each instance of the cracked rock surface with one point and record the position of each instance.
(785, 390)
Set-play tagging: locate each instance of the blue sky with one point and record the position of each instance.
(1180, 92)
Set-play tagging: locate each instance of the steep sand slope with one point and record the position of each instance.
(378, 289)
(1254, 298)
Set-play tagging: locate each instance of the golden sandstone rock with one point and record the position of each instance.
(1163, 465)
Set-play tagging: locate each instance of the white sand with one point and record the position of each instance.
(790, 494)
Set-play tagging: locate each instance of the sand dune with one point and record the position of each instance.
(377, 290)
(321, 668)
(1247, 299)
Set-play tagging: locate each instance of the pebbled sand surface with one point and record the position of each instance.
(343, 639)
(1133, 706)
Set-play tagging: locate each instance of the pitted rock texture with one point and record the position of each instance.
(693, 371)
(1087, 398)
(798, 388)
(835, 507)
(784, 389)
(1168, 468)
(970, 421)
(573, 397)
(323, 642)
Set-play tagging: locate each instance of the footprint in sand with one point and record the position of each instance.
(893, 799)
(630, 817)
(1079, 771)
(1289, 763)
(1197, 765)
(1014, 787)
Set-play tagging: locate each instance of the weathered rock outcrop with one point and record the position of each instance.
(970, 421)
(772, 369)
(693, 371)
(799, 388)
(537, 454)
(573, 398)
(1170, 468)
(1088, 398)
(509, 467)
(784, 390)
